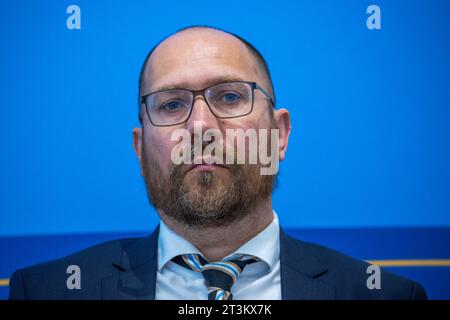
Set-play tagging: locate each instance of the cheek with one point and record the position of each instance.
(255, 122)
(158, 147)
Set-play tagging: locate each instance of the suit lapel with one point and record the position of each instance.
(137, 264)
(136, 275)
(301, 271)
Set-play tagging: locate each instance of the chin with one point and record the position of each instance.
(213, 184)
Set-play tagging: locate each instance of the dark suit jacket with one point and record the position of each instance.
(126, 269)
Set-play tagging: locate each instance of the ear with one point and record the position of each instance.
(137, 144)
(283, 120)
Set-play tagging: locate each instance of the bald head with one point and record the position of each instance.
(198, 56)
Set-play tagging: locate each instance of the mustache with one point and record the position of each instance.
(197, 156)
(178, 171)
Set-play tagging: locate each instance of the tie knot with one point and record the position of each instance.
(219, 275)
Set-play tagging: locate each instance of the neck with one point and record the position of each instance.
(216, 243)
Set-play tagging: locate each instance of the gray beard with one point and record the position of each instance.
(212, 203)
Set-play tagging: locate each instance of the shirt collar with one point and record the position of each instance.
(265, 245)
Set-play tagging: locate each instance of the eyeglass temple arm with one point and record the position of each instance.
(142, 100)
(257, 86)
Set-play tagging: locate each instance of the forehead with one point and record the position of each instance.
(196, 58)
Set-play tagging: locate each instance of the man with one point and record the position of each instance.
(219, 237)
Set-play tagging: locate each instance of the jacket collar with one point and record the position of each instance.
(136, 276)
(300, 271)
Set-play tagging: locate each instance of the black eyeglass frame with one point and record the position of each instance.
(202, 92)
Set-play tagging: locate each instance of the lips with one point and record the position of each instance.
(205, 166)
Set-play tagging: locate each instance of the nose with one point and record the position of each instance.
(201, 115)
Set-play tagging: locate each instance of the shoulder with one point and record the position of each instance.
(48, 280)
(354, 279)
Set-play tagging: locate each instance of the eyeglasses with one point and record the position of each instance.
(225, 100)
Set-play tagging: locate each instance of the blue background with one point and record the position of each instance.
(370, 111)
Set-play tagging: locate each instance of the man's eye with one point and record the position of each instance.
(171, 106)
(230, 97)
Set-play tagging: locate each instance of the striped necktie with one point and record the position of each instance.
(219, 275)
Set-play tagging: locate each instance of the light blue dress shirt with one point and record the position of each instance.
(259, 281)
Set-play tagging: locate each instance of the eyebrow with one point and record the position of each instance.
(207, 83)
